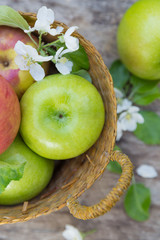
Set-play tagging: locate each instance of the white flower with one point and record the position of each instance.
(118, 93)
(130, 118)
(45, 17)
(72, 233)
(119, 131)
(63, 65)
(27, 59)
(72, 43)
(123, 104)
(146, 171)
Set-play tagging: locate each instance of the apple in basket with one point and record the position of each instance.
(19, 79)
(9, 114)
(62, 116)
(26, 172)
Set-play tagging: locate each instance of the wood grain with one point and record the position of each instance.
(98, 21)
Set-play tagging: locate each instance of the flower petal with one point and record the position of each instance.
(123, 105)
(44, 14)
(129, 125)
(119, 131)
(138, 117)
(55, 31)
(122, 115)
(40, 58)
(118, 93)
(59, 29)
(37, 71)
(147, 171)
(58, 53)
(70, 31)
(72, 43)
(30, 30)
(31, 52)
(42, 26)
(20, 48)
(64, 52)
(71, 233)
(64, 68)
(133, 109)
(21, 62)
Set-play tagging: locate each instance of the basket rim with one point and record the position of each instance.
(26, 216)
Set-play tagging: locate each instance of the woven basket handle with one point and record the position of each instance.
(84, 212)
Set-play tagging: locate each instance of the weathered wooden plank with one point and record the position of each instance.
(97, 21)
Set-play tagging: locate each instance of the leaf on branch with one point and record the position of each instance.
(114, 166)
(83, 73)
(142, 85)
(12, 164)
(144, 91)
(119, 73)
(10, 171)
(149, 131)
(137, 202)
(10, 17)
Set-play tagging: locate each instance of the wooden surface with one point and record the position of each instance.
(97, 21)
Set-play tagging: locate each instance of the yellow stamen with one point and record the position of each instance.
(63, 60)
(128, 116)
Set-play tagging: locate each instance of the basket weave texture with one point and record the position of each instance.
(76, 175)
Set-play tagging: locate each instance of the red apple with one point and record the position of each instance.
(20, 80)
(9, 114)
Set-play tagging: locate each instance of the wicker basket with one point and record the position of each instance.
(74, 176)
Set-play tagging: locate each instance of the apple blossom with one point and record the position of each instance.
(63, 65)
(72, 43)
(130, 118)
(119, 131)
(72, 233)
(28, 58)
(146, 171)
(45, 17)
(118, 93)
(122, 103)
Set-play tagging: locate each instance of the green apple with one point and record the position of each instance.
(62, 116)
(37, 173)
(139, 39)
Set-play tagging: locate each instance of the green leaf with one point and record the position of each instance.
(137, 202)
(116, 148)
(79, 58)
(10, 171)
(50, 50)
(83, 73)
(149, 131)
(114, 167)
(10, 17)
(142, 85)
(147, 97)
(144, 91)
(120, 74)
(12, 165)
